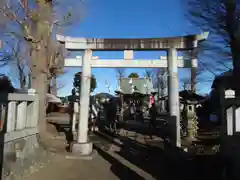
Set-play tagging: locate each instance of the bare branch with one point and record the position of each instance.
(120, 72)
(15, 57)
(221, 18)
(149, 73)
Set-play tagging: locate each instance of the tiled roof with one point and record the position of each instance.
(140, 85)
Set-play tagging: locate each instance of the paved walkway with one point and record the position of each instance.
(107, 165)
(62, 168)
(131, 155)
(123, 159)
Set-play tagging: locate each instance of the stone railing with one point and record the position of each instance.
(22, 116)
(19, 140)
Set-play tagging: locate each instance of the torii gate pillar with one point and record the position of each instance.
(83, 146)
(173, 94)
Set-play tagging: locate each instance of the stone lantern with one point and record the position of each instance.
(189, 101)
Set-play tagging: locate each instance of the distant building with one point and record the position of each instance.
(129, 86)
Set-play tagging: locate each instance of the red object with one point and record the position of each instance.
(151, 99)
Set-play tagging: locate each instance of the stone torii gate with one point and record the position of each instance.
(172, 62)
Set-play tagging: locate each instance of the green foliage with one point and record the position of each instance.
(133, 75)
(77, 82)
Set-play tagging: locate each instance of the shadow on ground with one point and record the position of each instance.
(165, 164)
(143, 127)
(119, 169)
(170, 162)
(61, 130)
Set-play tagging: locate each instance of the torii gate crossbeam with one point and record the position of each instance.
(126, 63)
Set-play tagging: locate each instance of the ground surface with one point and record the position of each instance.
(107, 165)
(130, 155)
(61, 168)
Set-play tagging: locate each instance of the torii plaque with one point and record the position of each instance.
(171, 45)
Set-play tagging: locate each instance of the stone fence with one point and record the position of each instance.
(18, 136)
(22, 116)
(230, 134)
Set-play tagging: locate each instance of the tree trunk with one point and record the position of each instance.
(39, 64)
(38, 83)
(22, 83)
(231, 23)
(236, 74)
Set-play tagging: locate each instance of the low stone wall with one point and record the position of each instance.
(23, 157)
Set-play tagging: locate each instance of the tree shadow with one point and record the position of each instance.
(153, 160)
(66, 130)
(119, 169)
(169, 162)
(143, 128)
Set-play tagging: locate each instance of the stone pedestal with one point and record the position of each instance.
(82, 149)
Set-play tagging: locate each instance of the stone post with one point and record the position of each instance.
(21, 115)
(74, 116)
(11, 117)
(173, 94)
(83, 146)
(229, 147)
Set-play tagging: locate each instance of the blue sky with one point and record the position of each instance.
(127, 19)
(124, 19)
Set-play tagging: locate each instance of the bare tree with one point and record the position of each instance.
(159, 78)
(200, 73)
(222, 19)
(36, 22)
(120, 72)
(186, 83)
(15, 56)
(149, 73)
(56, 54)
(162, 80)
